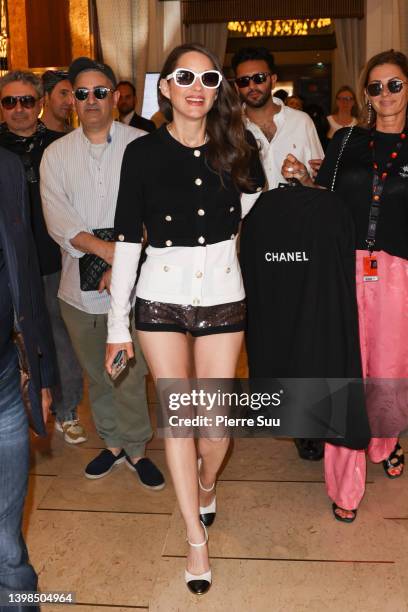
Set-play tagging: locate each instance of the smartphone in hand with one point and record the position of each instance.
(119, 364)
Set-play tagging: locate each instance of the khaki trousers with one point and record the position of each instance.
(119, 408)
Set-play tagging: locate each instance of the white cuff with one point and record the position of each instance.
(247, 202)
(67, 244)
(124, 269)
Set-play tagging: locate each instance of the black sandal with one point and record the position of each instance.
(394, 460)
(343, 519)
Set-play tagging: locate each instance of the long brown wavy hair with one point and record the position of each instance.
(385, 57)
(228, 150)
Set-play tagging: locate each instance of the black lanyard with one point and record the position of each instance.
(374, 214)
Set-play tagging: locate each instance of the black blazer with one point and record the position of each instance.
(298, 266)
(25, 281)
(143, 124)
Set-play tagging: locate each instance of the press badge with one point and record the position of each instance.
(370, 269)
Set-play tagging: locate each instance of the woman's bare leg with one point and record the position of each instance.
(168, 356)
(215, 356)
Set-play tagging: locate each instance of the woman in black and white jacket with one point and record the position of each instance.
(188, 184)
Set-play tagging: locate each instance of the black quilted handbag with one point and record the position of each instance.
(92, 267)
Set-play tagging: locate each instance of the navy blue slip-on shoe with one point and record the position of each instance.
(104, 463)
(149, 475)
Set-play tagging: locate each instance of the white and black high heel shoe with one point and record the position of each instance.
(207, 513)
(198, 584)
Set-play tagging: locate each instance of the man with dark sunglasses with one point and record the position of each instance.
(278, 129)
(79, 185)
(21, 99)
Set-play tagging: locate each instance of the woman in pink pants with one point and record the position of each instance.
(369, 168)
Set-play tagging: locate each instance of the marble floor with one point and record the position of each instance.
(274, 545)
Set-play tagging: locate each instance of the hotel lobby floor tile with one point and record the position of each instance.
(392, 496)
(37, 488)
(287, 521)
(281, 586)
(269, 459)
(119, 491)
(106, 559)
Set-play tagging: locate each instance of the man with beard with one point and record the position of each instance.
(126, 107)
(278, 129)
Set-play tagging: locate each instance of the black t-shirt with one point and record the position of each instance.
(354, 186)
(30, 150)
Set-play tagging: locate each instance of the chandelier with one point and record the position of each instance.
(280, 27)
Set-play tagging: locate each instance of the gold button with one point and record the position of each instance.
(121, 237)
(168, 243)
(201, 240)
(228, 270)
(196, 302)
(232, 236)
(259, 188)
(201, 212)
(166, 268)
(232, 208)
(168, 218)
(199, 274)
(197, 153)
(198, 181)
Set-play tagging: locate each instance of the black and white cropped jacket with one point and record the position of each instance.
(192, 221)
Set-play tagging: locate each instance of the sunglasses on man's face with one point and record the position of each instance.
(394, 86)
(183, 77)
(100, 93)
(258, 78)
(10, 102)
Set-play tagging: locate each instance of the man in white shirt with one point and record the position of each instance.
(278, 129)
(79, 187)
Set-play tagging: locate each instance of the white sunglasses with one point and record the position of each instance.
(184, 77)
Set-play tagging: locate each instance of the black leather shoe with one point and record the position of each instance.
(309, 449)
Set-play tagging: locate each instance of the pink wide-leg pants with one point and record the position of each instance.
(383, 325)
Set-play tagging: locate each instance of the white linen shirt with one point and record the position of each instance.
(295, 134)
(79, 194)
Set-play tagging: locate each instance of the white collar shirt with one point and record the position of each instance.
(79, 192)
(295, 134)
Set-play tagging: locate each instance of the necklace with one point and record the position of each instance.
(378, 185)
(171, 131)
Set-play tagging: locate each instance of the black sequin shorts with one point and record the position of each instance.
(197, 320)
